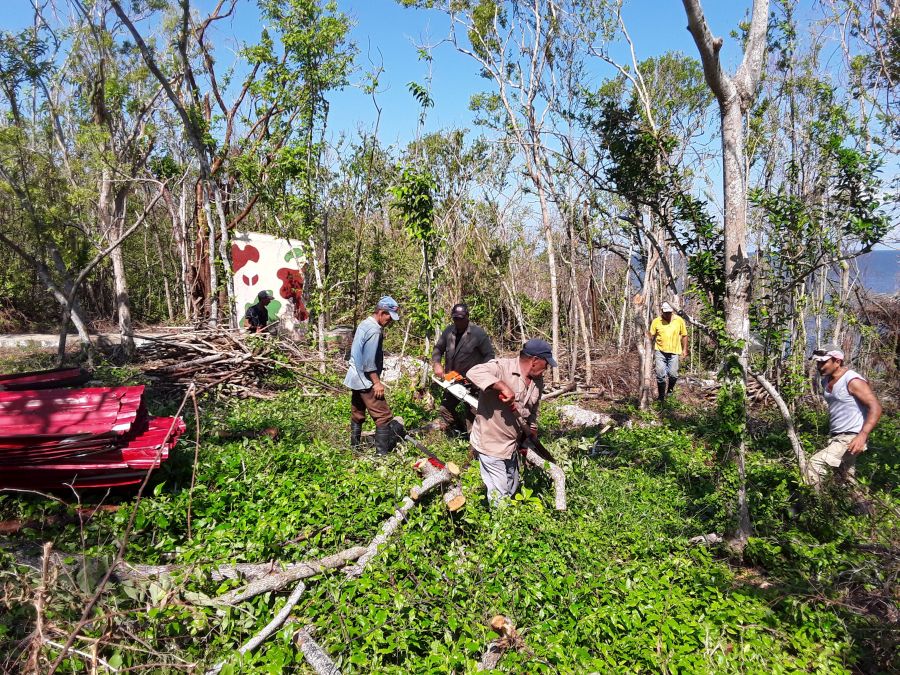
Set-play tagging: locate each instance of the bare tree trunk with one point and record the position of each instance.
(551, 264)
(126, 330)
(170, 306)
(213, 272)
(735, 95)
(320, 309)
(620, 340)
(579, 309)
(642, 319)
(836, 334)
(223, 253)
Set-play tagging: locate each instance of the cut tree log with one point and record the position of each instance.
(315, 656)
(249, 571)
(275, 582)
(436, 473)
(556, 475)
(509, 639)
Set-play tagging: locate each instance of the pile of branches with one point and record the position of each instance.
(224, 361)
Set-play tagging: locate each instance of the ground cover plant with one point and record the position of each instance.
(611, 585)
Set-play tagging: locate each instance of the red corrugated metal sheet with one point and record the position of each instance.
(99, 437)
(45, 379)
(63, 412)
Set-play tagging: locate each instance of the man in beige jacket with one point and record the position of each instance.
(510, 387)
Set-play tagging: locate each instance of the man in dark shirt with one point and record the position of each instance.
(461, 345)
(257, 316)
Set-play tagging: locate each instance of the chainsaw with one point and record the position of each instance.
(455, 384)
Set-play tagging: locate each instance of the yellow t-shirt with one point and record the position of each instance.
(668, 335)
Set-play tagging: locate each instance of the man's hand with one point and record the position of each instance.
(437, 369)
(684, 353)
(378, 390)
(858, 444)
(506, 394)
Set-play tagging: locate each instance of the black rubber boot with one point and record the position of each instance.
(355, 434)
(672, 381)
(661, 389)
(385, 440)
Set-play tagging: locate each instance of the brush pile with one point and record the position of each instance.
(223, 361)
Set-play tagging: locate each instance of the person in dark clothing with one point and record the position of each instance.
(461, 346)
(257, 316)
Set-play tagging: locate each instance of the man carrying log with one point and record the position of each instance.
(461, 346)
(510, 387)
(364, 379)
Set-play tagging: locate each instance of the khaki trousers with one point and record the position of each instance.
(833, 455)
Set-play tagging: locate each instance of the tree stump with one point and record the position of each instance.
(436, 473)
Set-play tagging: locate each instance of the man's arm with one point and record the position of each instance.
(487, 376)
(862, 392)
(437, 354)
(684, 345)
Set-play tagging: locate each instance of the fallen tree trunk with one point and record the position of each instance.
(315, 656)
(436, 473)
(28, 556)
(556, 475)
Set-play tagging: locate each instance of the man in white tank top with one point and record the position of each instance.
(853, 411)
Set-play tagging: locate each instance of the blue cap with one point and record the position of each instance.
(389, 305)
(541, 349)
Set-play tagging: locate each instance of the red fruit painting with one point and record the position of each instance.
(241, 256)
(292, 289)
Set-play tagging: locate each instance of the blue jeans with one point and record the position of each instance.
(666, 365)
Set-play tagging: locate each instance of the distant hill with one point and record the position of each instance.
(880, 271)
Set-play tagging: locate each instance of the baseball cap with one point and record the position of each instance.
(825, 352)
(459, 311)
(666, 307)
(264, 295)
(541, 349)
(389, 305)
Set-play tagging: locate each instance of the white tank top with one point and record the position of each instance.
(846, 414)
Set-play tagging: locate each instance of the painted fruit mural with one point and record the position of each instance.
(264, 262)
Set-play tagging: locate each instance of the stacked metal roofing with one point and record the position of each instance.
(84, 438)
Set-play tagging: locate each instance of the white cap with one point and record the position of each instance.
(666, 307)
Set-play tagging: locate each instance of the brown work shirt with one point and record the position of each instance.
(495, 432)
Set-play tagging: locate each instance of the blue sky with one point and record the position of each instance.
(387, 33)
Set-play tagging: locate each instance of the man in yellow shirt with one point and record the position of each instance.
(669, 335)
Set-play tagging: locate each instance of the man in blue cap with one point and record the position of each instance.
(364, 379)
(509, 388)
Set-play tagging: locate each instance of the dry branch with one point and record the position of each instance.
(315, 656)
(556, 475)
(270, 628)
(220, 358)
(389, 527)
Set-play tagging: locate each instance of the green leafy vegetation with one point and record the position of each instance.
(611, 585)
